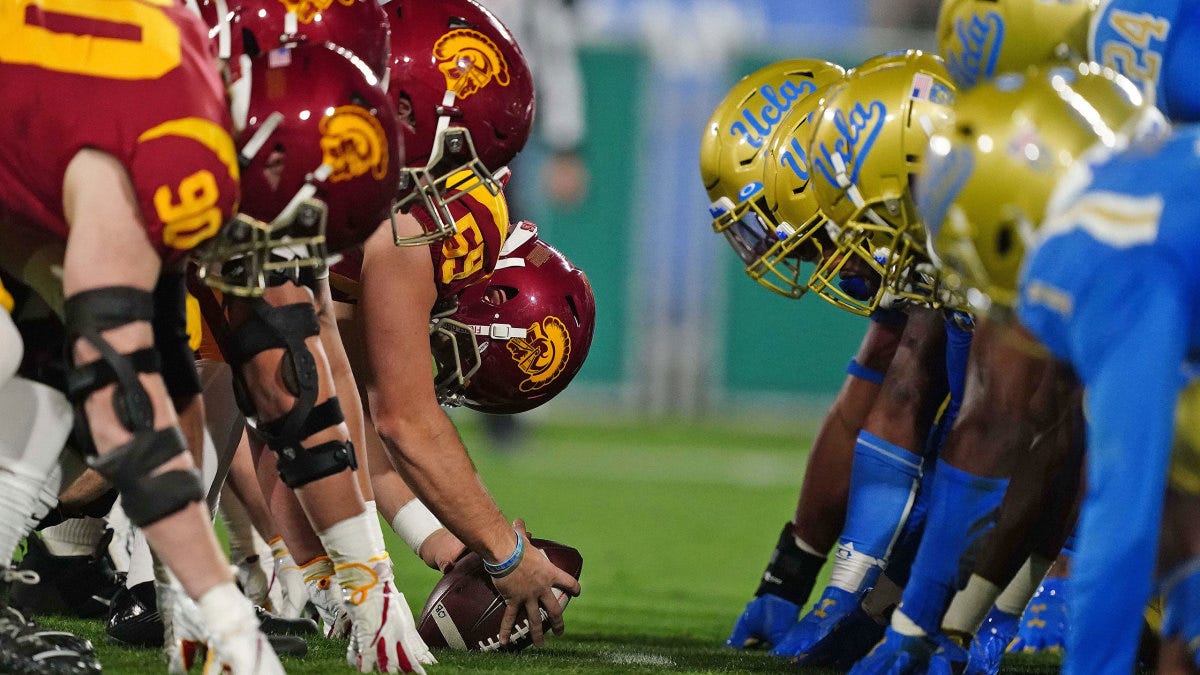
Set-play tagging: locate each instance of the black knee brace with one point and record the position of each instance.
(286, 328)
(146, 499)
(171, 338)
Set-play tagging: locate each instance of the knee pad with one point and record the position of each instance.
(300, 466)
(88, 314)
(285, 328)
(171, 337)
(147, 498)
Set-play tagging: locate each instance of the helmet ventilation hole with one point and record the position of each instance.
(574, 310)
(1004, 239)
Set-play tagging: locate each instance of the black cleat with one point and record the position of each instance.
(28, 649)
(272, 624)
(288, 645)
(78, 585)
(133, 619)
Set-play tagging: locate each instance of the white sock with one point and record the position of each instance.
(237, 526)
(226, 611)
(970, 606)
(349, 546)
(29, 451)
(74, 536)
(1020, 590)
(851, 568)
(377, 528)
(18, 497)
(141, 564)
(47, 498)
(119, 548)
(905, 626)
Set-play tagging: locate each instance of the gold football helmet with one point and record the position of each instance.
(867, 143)
(799, 225)
(989, 173)
(732, 153)
(982, 38)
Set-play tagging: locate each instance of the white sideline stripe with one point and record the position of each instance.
(441, 617)
(638, 659)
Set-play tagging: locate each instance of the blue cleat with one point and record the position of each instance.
(834, 606)
(992, 642)
(1181, 615)
(951, 656)
(1044, 624)
(764, 622)
(897, 655)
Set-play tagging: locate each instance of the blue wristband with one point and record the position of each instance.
(503, 569)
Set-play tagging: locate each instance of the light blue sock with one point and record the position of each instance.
(883, 485)
(962, 510)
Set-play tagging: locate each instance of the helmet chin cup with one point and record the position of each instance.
(453, 171)
(241, 260)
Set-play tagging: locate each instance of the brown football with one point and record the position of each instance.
(464, 610)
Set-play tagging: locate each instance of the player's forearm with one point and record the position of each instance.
(429, 455)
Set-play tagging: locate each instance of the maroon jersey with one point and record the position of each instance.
(133, 78)
(458, 262)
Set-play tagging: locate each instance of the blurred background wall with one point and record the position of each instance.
(681, 330)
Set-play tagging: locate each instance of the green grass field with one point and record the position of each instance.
(675, 523)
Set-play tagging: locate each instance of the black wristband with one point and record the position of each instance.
(791, 572)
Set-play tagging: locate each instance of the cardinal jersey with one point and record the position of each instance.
(1155, 43)
(458, 262)
(1112, 288)
(132, 78)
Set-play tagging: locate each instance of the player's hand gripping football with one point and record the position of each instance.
(534, 586)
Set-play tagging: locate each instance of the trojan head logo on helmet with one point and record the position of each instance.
(320, 157)
(469, 61)
(982, 38)
(989, 173)
(868, 142)
(465, 98)
(354, 143)
(733, 152)
(357, 25)
(517, 339)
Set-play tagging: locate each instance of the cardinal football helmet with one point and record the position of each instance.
(518, 338)
(733, 153)
(989, 174)
(218, 17)
(320, 157)
(868, 142)
(465, 98)
(982, 38)
(357, 25)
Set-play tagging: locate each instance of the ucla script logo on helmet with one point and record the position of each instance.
(755, 129)
(543, 353)
(469, 61)
(795, 157)
(856, 135)
(978, 47)
(306, 10)
(353, 143)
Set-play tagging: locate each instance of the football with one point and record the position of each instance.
(464, 610)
